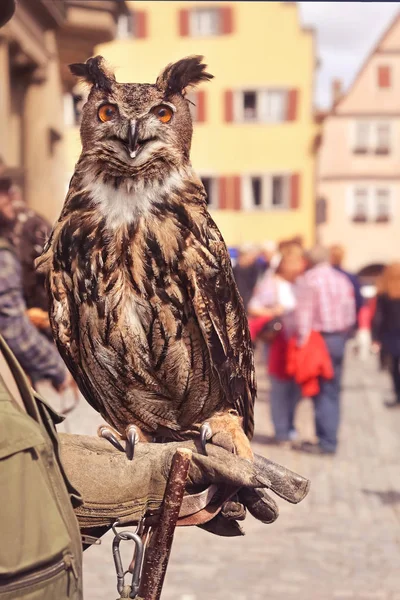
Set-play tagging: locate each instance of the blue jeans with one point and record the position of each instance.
(326, 403)
(283, 398)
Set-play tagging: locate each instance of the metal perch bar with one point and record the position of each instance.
(159, 548)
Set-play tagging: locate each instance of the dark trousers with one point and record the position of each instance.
(395, 372)
(327, 403)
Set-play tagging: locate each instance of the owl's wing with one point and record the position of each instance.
(222, 319)
(66, 332)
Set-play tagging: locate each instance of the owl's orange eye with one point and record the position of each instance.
(107, 112)
(163, 113)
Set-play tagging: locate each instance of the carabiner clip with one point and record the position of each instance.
(139, 551)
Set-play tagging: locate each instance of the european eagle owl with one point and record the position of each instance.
(144, 307)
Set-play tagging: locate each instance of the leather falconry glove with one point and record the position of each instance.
(219, 485)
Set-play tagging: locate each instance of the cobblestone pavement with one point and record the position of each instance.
(342, 542)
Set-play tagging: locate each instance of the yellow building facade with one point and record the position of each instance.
(254, 129)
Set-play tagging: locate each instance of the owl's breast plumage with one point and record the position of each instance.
(135, 335)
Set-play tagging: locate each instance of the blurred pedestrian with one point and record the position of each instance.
(337, 255)
(267, 251)
(386, 323)
(274, 298)
(325, 305)
(246, 271)
(27, 236)
(364, 336)
(38, 356)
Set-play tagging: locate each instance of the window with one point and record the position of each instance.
(362, 137)
(276, 102)
(278, 191)
(382, 138)
(360, 213)
(249, 106)
(73, 105)
(372, 137)
(125, 27)
(267, 192)
(260, 106)
(133, 25)
(382, 205)
(371, 205)
(211, 188)
(205, 21)
(256, 191)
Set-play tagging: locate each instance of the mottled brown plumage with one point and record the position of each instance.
(144, 307)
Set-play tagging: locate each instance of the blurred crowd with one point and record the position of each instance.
(303, 309)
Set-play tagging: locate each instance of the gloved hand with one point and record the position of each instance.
(113, 487)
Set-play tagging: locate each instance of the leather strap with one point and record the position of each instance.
(208, 512)
(192, 504)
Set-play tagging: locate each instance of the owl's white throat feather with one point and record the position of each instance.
(133, 198)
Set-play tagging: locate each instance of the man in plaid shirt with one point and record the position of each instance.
(37, 356)
(325, 303)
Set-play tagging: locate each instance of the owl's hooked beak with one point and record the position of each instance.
(133, 135)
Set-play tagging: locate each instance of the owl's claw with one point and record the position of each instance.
(205, 435)
(132, 438)
(106, 433)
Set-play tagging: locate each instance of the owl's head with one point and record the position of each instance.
(127, 126)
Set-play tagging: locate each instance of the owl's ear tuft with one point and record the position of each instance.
(94, 72)
(187, 72)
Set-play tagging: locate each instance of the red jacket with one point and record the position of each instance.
(309, 362)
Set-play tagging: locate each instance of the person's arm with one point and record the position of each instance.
(304, 309)
(38, 357)
(263, 301)
(357, 293)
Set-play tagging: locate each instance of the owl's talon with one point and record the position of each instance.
(205, 436)
(108, 435)
(132, 438)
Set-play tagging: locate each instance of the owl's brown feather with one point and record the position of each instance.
(144, 307)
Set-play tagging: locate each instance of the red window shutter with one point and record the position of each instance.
(140, 17)
(228, 106)
(291, 108)
(226, 16)
(201, 106)
(235, 190)
(184, 22)
(223, 192)
(295, 191)
(384, 76)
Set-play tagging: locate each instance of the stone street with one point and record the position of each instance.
(342, 541)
